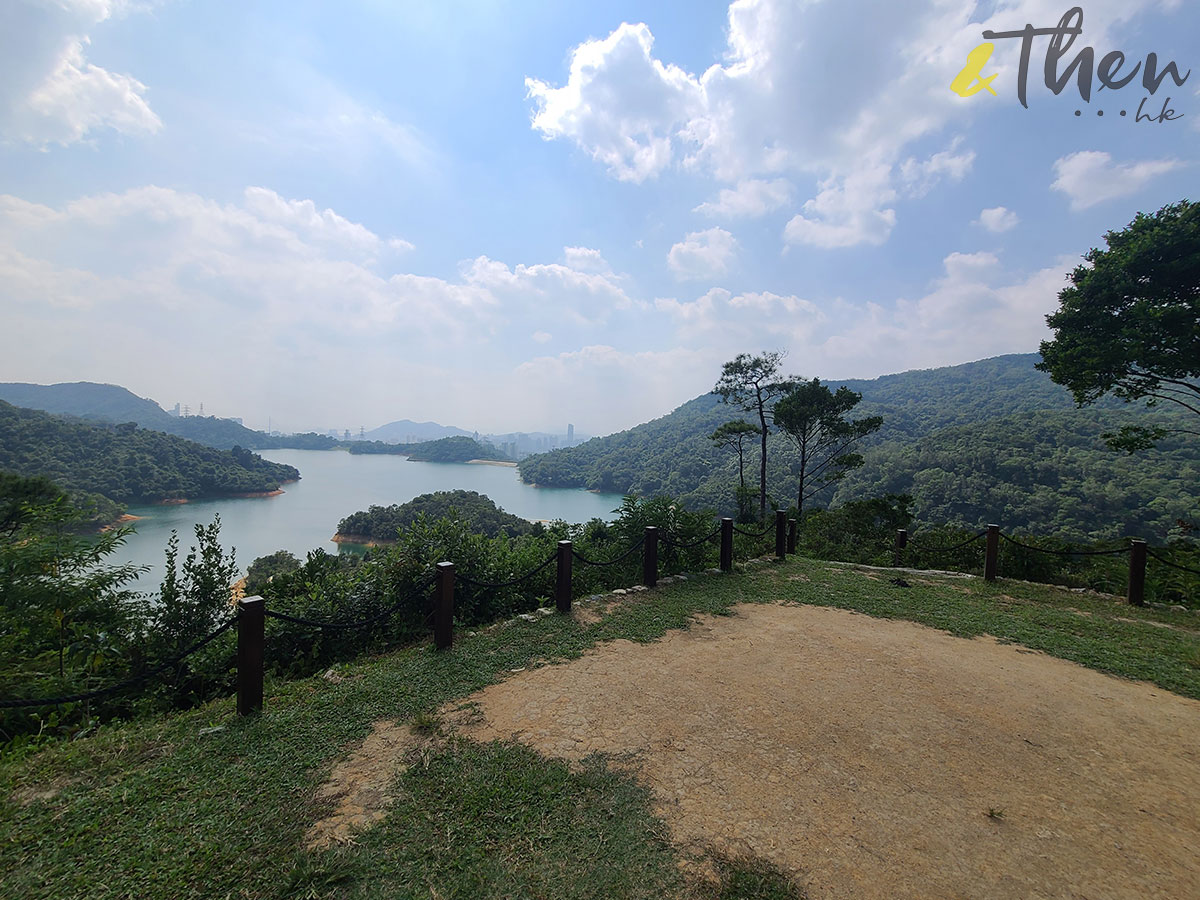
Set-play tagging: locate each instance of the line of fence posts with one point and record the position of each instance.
(1135, 592)
(252, 618)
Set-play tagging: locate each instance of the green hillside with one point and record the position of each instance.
(484, 516)
(114, 404)
(994, 440)
(128, 464)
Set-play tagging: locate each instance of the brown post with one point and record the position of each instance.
(650, 557)
(780, 534)
(791, 548)
(443, 606)
(251, 629)
(901, 543)
(992, 555)
(562, 586)
(726, 544)
(1137, 573)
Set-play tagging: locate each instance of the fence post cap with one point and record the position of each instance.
(652, 528)
(993, 528)
(726, 518)
(564, 543)
(1136, 541)
(445, 567)
(253, 601)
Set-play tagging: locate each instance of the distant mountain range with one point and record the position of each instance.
(406, 431)
(114, 404)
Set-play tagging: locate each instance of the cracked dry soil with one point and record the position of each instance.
(877, 758)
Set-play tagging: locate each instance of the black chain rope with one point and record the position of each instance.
(610, 562)
(362, 623)
(752, 534)
(688, 546)
(1113, 552)
(113, 688)
(510, 583)
(959, 546)
(1171, 564)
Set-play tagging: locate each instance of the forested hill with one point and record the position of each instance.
(994, 440)
(114, 404)
(456, 449)
(128, 464)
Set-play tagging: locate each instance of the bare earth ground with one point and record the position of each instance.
(877, 758)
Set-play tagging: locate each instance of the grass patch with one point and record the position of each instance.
(155, 809)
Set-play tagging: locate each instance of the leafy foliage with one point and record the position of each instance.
(752, 383)
(814, 419)
(1129, 324)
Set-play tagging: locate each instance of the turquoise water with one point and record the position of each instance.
(334, 484)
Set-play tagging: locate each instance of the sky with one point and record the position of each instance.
(517, 215)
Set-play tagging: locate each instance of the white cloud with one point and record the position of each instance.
(846, 212)
(975, 310)
(1090, 177)
(541, 337)
(752, 197)
(703, 254)
(619, 103)
(920, 176)
(770, 107)
(997, 219)
(585, 259)
(49, 92)
(649, 383)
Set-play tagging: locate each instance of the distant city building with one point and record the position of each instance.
(346, 435)
(570, 433)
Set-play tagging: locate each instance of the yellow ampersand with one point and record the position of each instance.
(970, 80)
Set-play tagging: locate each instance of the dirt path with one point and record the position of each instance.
(877, 758)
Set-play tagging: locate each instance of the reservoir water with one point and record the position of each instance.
(333, 485)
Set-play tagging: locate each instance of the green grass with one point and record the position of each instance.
(155, 809)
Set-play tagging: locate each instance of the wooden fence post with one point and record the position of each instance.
(443, 606)
(992, 555)
(562, 586)
(251, 630)
(780, 534)
(726, 544)
(901, 543)
(650, 557)
(1137, 572)
(791, 545)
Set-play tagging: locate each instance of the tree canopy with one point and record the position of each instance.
(752, 383)
(814, 418)
(1129, 323)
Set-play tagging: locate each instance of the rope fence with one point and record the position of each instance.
(252, 614)
(123, 685)
(638, 544)
(1168, 562)
(512, 582)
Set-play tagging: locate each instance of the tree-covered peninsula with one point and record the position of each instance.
(127, 464)
(457, 449)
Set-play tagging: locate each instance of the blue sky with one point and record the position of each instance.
(512, 216)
